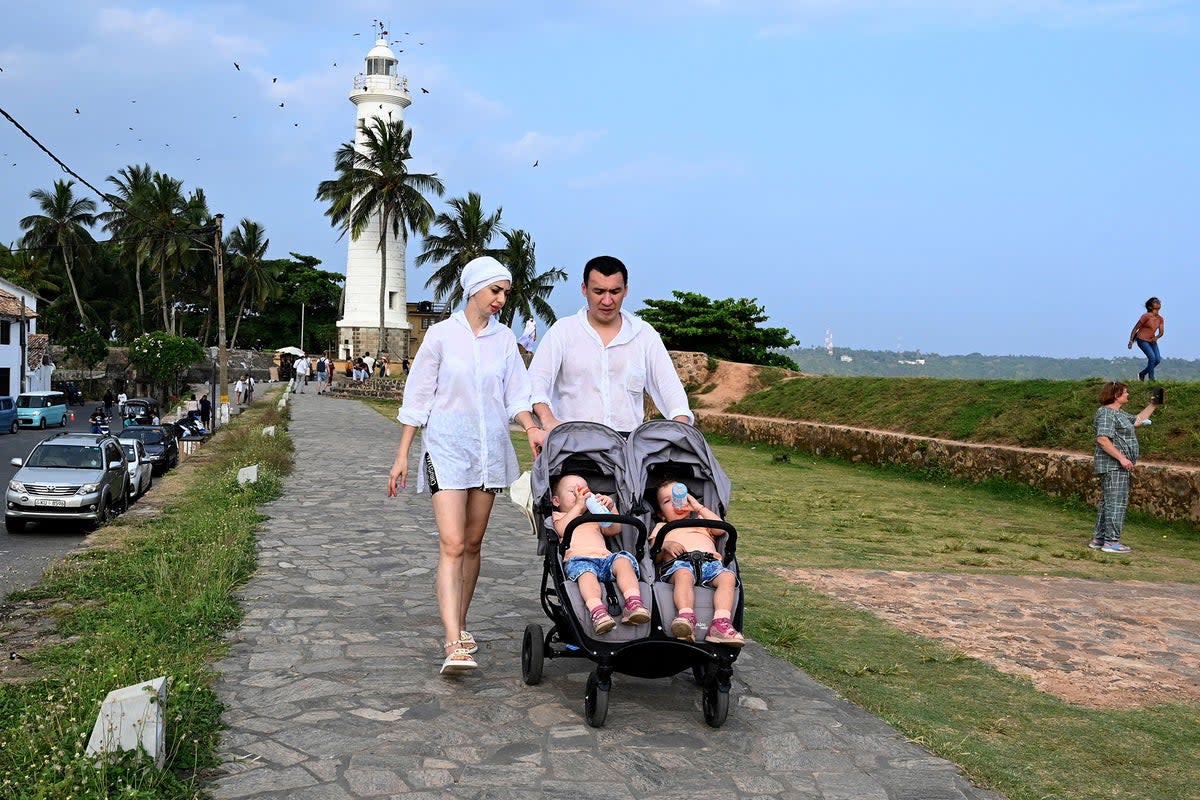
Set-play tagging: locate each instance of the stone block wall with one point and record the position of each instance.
(1164, 490)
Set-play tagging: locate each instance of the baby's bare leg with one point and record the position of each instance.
(627, 580)
(589, 589)
(724, 585)
(683, 589)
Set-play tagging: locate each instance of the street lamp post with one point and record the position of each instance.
(222, 353)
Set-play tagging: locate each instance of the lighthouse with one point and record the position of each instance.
(378, 93)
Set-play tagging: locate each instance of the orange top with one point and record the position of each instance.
(1149, 327)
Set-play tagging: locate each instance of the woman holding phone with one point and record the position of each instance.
(1116, 454)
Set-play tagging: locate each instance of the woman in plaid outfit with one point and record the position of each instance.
(1116, 454)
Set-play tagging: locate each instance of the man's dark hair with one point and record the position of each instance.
(607, 266)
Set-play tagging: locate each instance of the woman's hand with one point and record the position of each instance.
(398, 477)
(537, 438)
(1130, 345)
(1126, 464)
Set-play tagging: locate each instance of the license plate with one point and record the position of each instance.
(50, 502)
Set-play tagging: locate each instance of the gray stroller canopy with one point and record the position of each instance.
(590, 449)
(663, 449)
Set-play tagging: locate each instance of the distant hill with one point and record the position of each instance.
(901, 364)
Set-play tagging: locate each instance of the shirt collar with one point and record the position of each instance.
(492, 327)
(630, 325)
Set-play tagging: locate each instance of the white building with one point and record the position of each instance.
(19, 338)
(379, 93)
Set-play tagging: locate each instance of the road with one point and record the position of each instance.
(25, 556)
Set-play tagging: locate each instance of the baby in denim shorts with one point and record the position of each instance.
(589, 561)
(689, 556)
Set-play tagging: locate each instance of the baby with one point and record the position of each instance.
(689, 555)
(589, 561)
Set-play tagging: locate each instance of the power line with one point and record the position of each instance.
(112, 200)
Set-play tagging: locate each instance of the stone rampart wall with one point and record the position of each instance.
(1164, 490)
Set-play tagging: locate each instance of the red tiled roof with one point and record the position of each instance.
(36, 346)
(10, 306)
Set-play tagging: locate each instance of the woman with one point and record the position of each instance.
(1116, 454)
(467, 382)
(1146, 332)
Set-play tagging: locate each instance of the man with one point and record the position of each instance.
(369, 361)
(597, 364)
(300, 374)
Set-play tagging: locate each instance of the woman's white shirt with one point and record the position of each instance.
(463, 389)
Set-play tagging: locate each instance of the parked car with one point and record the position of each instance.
(41, 409)
(141, 468)
(144, 410)
(159, 440)
(8, 414)
(76, 476)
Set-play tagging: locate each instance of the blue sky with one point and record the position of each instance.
(952, 176)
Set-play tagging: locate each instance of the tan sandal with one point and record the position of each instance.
(458, 660)
(468, 642)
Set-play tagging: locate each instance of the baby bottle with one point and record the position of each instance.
(594, 505)
(679, 495)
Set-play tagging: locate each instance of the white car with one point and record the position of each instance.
(141, 469)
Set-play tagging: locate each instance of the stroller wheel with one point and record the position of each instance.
(716, 704)
(595, 702)
(533, 655)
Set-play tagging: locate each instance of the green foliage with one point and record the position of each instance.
(906, 364)
(277, 323)
(88, 346)
(1030, 413)
(156, 600)
(730, 329)
(162, 358)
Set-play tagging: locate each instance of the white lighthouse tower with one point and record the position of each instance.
(379, 93)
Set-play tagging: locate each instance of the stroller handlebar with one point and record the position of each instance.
(620, 519)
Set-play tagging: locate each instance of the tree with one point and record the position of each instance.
(161, 357)
(467, 234)
(124, 222)
(529, 289)
(248, 245)
(88, 346)
(277, 322)
(728, 329)
(163, 228)
(61, 228)
(374, 183)
(20, 267)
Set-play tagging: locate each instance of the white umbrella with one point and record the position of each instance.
(291, 351)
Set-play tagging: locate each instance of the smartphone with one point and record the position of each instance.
(1156, 396)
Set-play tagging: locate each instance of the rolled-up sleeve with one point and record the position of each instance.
(516, 385)
(545, 366)
(666, 390)
(421, 386)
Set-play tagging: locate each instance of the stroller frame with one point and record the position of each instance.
(655, 653)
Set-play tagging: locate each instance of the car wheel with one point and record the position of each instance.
(62, 421)
(14, 525)
(124, 506)
(102, 512)
(42, 423)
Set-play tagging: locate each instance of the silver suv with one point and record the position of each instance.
(69, 476)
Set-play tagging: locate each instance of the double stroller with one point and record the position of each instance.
(630, 471)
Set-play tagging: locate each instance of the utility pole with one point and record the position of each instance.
(222, 353)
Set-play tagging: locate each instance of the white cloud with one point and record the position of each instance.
(656, 169)
(161, 29)
(543, 147)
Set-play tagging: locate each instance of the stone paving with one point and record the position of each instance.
(332, 690)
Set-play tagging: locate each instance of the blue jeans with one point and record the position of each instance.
(601, 567)
(1153, 359)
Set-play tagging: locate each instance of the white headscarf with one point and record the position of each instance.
(481, 272)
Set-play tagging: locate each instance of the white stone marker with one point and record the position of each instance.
(248, 475)
(269, 430)
(133, 718)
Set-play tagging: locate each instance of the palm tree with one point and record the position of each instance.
(529, 289)
(167, 222)
(468, 232)
(124, 221)
(248, 246)
(22, 268)
(374, 182)
(62, 228)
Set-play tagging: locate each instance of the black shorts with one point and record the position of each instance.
(431, 476)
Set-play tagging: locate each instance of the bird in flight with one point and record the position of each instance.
(424, 90)
(274, 79)
(335, 63)
(237, 66)
(77, 111)
(535, 162)
(281, 105)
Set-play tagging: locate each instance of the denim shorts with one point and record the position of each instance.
(601, 567)
(708, 573)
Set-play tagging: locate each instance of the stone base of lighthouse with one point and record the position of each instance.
(357, 341)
